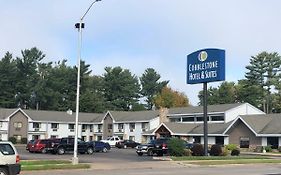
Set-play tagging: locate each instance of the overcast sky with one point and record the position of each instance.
(138, 34)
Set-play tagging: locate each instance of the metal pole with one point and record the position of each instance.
(75, 159)
(205, 116)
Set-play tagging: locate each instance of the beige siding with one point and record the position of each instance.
(107, 132)
(18, 118)
(241, 130)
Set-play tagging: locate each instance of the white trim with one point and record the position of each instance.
(108, 112)
(192, 114)
(162, 124)
(243, 121)
(19, 109)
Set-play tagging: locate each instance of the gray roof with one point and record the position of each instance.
(63, 116)
(124, 116)
(199, 109)
(264, 123)
(4, 113)
(197, 128)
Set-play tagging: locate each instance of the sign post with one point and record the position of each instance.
(203, 66)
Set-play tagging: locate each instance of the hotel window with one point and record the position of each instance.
(217, 118)
(36, 125)
(18, 138)
(1, 124)
(121, 127)
(91, 128)
(84, 127)
(71, 127)
(144, 126)
(188, 119)
(18, 125)
(175, 119)
(132, 127)
(132, 138)
(244, 142)
(54, 125)
(99, 127)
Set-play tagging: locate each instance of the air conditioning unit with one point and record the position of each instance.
(143, 129)
(132, 130)
(121, 130)
(55, 129)
(83, 130)
(99, 130)
(71, 130)
(36, 129)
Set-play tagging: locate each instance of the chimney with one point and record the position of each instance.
(163, 112)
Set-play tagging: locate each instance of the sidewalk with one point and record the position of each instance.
(262, 154)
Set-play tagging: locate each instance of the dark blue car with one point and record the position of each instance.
(100, 146)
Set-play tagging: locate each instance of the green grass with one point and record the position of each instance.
(188, 158)
(237, 161)
(50, 164)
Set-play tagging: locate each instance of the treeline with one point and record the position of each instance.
(261, 86)
(30, 83)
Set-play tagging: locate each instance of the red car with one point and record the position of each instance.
(39, 146)
(29, 144)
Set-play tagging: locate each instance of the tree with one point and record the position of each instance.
(27, 75)
(121, 88)
(151, 85)
(262, 73)
(224, 94)
(169, 98)
(7, 81)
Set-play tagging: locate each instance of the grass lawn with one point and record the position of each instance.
(50, 164)
(221, 160)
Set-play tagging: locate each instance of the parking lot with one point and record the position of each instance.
(115, 155)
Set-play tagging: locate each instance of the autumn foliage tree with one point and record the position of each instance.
(169, 98)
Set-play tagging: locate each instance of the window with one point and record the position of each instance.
(91, 138)
(109, 127)
(188, 119)
(6, 149)
(1, 124)
(99, 127)
(18, 138)
(220, 140)
(244, 142)
(144, 126)
(54, 125)
(18, 125)
(132, 127)
(91, 128)
(54, 136)
(84, 127)
(36, 125)
(273, 142)
(71, 127)
(217, 118)
(132, 138)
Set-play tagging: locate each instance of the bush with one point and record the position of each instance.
(235, 152)
(268, 149)
(225, 152)
(23, 140)
(197, 150)
(187, 152)
(176, 147)
(216, 150)
(13, 140)
(259, 149)
(231, 147)
(279, 149)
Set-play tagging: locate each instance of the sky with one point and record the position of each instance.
(141, 34)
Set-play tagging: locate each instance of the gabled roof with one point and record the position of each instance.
(199, 109)
(265, 124)
(193, 128)
(133, 116)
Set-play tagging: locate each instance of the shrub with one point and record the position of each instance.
(268, 149)
(23, 140)
(216, 150)
(235, 152)
(197, 150)
(13, 140)
(231, 147)
(259, 149)
(187, 152)
(279, 149)
(176, 147)
(225, 152)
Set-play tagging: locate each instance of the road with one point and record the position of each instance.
(125, 161)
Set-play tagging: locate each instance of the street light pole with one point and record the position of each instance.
(79, 26)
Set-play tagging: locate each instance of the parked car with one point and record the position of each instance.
(29, 144)
(9, 159)
(126, 143)
(100, 146)
(112, 140)
(158, 146)
(66, 144)
(39, 145)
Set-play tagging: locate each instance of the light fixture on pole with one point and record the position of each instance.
(79, 26)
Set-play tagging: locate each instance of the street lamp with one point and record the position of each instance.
(79, 26)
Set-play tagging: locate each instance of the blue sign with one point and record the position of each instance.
(206, 65)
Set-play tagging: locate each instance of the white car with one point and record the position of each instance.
(9, 159)
(112, 140)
